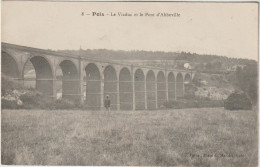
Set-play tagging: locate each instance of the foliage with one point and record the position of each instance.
(42, 102)
(16, 96)
(189, 90)
(9, 104)
(193, 103)
(202, 63)
(246, 80)
(8, 84)
(237, 101)
(63, 104)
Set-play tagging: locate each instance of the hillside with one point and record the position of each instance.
(201, 62)
(213, 86)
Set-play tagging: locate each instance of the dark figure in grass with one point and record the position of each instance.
(107, 103)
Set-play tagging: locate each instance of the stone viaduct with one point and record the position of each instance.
(129, 86)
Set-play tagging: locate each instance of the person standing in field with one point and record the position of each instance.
(107, 103)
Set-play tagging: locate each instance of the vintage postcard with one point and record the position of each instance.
(129, 83)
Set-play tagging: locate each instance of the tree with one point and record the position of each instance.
(247, 81)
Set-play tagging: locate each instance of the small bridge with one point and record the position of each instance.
(129, 86)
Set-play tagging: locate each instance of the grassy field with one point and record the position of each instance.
(184, 137)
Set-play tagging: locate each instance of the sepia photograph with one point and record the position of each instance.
(137, 83)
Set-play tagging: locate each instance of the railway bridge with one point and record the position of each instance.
(130, 87)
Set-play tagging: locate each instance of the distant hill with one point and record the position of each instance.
(147, 55)
(201, 62)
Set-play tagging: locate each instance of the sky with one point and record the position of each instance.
(226, 29)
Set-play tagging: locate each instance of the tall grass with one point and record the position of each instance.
(163, 138)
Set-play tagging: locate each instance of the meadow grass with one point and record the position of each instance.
(183, 137)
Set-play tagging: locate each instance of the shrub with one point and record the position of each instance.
(238, 101)
(29, 98)
(62, 104)
(13, 91)
(9, 83)
(7, 104)
(193, 103)
(34, 99)
(171, 104)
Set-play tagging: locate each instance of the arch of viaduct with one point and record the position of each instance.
(130, 87)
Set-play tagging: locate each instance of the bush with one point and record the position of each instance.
(29, 98)
(62, 104)
(13, 92)
(171, 104)
(7, 104)
(34, 99)
(193, 103)
(8, 83)
(238, 101)
(38, 100)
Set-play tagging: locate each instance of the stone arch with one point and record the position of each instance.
(139, 81)
(150, 90)
(187, 81)
(125, 89)
(43, 73)
(171, 86)
(110, 86)
(93, 87)
(70, 80)
(161, 89)
(179, 85)
(9, 66)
